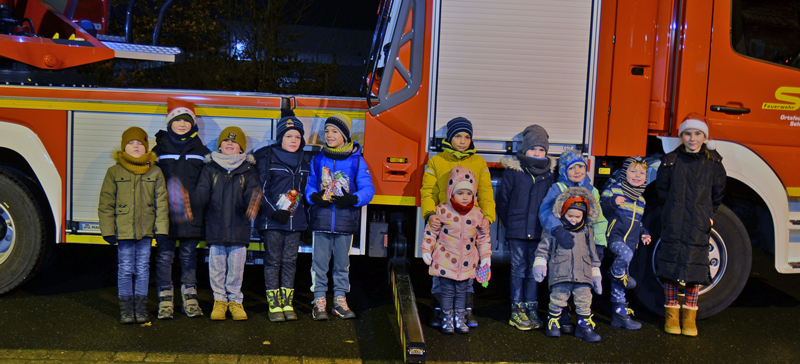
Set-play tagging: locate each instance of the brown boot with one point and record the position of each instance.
(237, 311)
(688, 317)
(220, 308)
(672, 324)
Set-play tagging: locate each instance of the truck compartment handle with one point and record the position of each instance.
(730, 110)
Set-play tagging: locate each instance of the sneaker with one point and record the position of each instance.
(165, 305)
(341, 309)
(518, 317)
(189, 297)
(318, 312)
(237, 311)
(220, 308)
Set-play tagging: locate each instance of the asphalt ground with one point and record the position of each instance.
(71, 308)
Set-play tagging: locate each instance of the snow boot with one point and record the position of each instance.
(141, 309)
(566, 322)
(471, 321)
(126, 315)
(287, 294)
(237, 311)
(518, 317)
(621, 317)
(165, 305)
(220, 308)
(688, 320)
(318, 311)
(189, 297)
(672, 324)
(275, 310)
(585, 329)
(448, 326)
(341, 309)
(461, 325)
(532, 310)
(436, 311)
(553, 328)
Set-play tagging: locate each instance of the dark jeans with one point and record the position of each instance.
(187, 254)
(523, 286)
(454, 294)
(280, 257)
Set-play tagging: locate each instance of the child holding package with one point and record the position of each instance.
(690, 185)
(571, 173)
(181, 156)
(458, 151)
(454, 251)
(527, 177)
(132, 211)
(283, 169)
(572, 269)
(339, 184)
(622, 201)
(230, 188)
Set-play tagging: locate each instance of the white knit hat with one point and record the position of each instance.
(697, 122)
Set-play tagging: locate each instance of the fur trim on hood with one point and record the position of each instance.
(511, 163)
(250, 158)
(594, 207)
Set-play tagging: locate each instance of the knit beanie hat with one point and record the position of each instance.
(697, 122)
(575, 203)
(235, 134)
(458, 125)
(134, 133)
(341, 122)
(178, 109)
(290, 123)
(534, 136)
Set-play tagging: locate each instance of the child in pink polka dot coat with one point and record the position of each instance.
(456, 250)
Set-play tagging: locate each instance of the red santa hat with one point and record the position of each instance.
(697, 122)
(178, 109)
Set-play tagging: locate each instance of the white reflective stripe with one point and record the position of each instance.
(177, 156)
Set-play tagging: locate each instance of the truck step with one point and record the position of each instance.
(145, 52)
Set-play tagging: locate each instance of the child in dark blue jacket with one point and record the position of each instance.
(527, 177)
(339, 184)
(623, 203)
(283, 168)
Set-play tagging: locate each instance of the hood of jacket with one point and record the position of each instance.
(594, 207)
(566, 159)
(461, 178)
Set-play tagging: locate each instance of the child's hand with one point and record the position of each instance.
(646, 239)
(317, 199)
(563, 238)
(484, 226)
(426, 257)
(619, 200)
(486, 261)
(597, 283)
(435, 222)
(539, 269)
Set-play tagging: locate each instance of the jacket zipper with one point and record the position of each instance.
(633, 220)
(333, 207)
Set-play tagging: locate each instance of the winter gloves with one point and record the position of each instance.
(539, 269)
(110, 239)
(564, 238)
(316, 198)
(281, 216)
(345, 200)
(597, 281)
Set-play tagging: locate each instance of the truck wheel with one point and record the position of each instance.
(730, 258)
(22, 232)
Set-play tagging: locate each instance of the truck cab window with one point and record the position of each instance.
(768, 30)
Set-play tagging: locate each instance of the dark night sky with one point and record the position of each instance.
(345, 14)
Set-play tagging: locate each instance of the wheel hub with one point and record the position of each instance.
(6, 233)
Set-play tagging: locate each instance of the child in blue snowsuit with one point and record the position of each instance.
(571, 173)
(622, 201)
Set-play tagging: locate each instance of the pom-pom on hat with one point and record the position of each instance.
(457, 125)
(697, 122)
(235, 134)
(534, 136)
(178, 109)
(134, 133)
(341, 122)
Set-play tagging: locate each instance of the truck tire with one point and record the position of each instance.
(22, 232)
(730, 256)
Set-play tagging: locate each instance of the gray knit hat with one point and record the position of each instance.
(534, 136)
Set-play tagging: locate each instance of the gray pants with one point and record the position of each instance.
(325, 245)
(280, 258)
(581, 295)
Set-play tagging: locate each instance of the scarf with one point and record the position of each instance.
(459, 155)
(462, 209)
(339, 153)
(291, 159)
(229, 162)
(569, 226)
(534, 166)
(139, 165)
(180, 141)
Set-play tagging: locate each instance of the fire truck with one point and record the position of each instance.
(609, 78)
